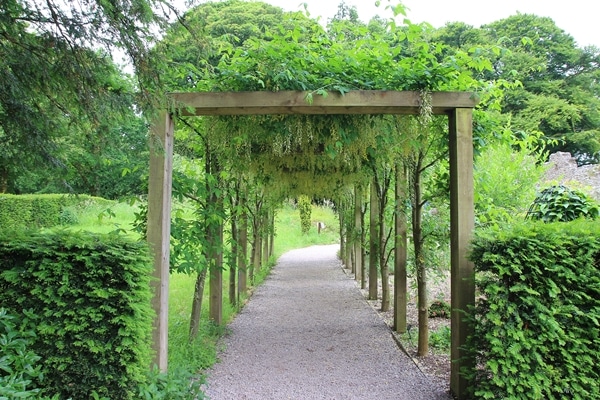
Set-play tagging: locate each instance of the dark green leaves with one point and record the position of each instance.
(536, 318)
(90, 298)
(560, 203)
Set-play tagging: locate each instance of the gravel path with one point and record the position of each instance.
(308, 333)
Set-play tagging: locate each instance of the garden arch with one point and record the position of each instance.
(458, 106)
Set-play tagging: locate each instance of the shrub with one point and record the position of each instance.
(559, 203)
(440, 338)
(439, 309)
(180, 384)
(18, 363)
(537, 317)
(39, 210)
(90, 301)
(305, 209)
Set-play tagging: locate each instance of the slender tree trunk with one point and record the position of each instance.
(363, 253)
(385, 270)
(265, 237)
(373, 245)
(3, 179)
(382, 188)
(272, 234)
(197, 304)
(342, 233)
(358, 221)
(243, 249)
(216, 277)
(400, 252)
(214, 234)
(233, 257)
(417, 214)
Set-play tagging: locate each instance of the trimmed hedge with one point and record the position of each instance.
(537, 316)
(89, 298)
(37, 210)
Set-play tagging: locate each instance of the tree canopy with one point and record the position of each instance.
(58, 79)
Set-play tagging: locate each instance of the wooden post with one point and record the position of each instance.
(243, 247)
(358, 233)
(159, 228)
(461, 229)
(400, 251)
(373, 244)
(216, 275)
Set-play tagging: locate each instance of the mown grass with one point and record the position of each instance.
(202, 352)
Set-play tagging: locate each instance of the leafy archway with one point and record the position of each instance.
(456, 105)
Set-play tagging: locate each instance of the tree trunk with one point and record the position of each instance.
(214, 233)
(363, 252)
(373, 245)
(417, 214)
(358, 221)
(197, 304)
(233, 257)
(265, 237)
(385, 270)
(342, 233)
(243, 249)
(272, 234)
(215, 261)
(400, 252)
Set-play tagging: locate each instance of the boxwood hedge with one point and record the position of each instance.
(537, 314)
(88, 296)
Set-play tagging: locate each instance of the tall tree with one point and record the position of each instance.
(559, 96)
(56, 71)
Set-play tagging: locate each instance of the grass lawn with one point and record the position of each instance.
(201, 353)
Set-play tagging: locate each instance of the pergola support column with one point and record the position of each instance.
(400, 251)
(358, 222)
(461, 229)
(159, 228)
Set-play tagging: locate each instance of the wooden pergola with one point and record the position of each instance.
(458, 106)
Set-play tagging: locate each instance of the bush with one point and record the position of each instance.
(18, 363)
(537, 317)
(441, 338)
(305, 209)
(180, 384)
(559, 203)
(90, 301)
(439, 309)
(39, 210)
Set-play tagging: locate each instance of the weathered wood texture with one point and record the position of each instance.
(159, 228)
(290, 102)
(461, 228)
(358, 221)
(400, 252)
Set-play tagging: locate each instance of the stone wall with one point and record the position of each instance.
(563, 169)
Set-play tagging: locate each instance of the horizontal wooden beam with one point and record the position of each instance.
(297, 102)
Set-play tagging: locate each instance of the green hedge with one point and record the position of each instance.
(37, 210)
(537, 315)
(90, 298)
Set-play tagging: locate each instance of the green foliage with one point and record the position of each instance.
(537, 316)
(173, 385)
(439, 309)
(305, 210)
(441, 338)
(506, 175)
(560, 203)
(89, 297)
(18, 366)
(39, 211)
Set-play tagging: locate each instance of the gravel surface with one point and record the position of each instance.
(308, 333)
